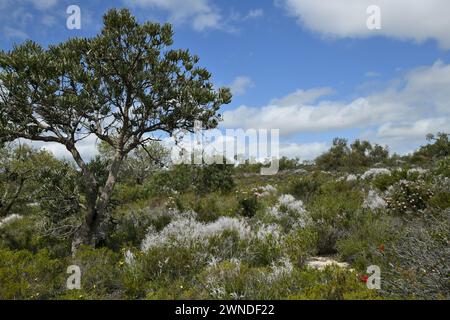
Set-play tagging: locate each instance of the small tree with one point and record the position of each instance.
(125, 86)
(20, 170)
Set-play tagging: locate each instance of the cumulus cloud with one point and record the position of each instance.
(304, 151)
(415, 104)
(201, 13)
(415, 20)
(241, 84)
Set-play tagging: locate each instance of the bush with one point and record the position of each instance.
(24, 275)
(305, 187)
(332, 213)
(248, 205)
(100, 272)
(408, 197)
(368, 235)
(416, 264)
(215, 177)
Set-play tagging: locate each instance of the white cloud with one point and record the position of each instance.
(302, 97)
(43, 4)
(241, 84)
(305, 151)
(416, 20)
(11, 33)
(19, 16)
(254, 13)
(412, 106)
(201, 13)
(87, 148)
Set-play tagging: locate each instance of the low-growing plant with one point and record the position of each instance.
(408, 197)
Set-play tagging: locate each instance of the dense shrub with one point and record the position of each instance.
(24, 275)
(305, 187)
(416, 264)
(408, 197)
(215, 177)
(249, 204)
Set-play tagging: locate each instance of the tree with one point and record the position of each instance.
(336, 157)
(126, 86)
(20, 171)
(141, 162)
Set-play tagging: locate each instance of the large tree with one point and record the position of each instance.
(126, 86)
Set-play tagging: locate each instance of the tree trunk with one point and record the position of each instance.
(97, 203)
(6, 208)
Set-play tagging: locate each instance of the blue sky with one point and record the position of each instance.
(310, 68)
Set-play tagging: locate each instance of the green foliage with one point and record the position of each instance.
(416, 264)
(357, 156)
(368, 235)
(443, 167)
(20, 176)
(409, 197)
(332, 212)
(248, 204)
(139, 164)
(215, 177)
(439, 149)
(288, 164)
(60, 193)
(234, 280)
(100, 270)
(24, 275)
(214, 205)
(306, 187)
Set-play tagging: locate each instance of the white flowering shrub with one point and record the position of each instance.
(289, 212)
(417, 171)
(373, 172)
(373, 201)
(267, 190)
(408, 196)
(186, 232)
(281, 268)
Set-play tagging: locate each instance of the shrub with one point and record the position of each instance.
(24, 275)
(100, 272)
(416, 264)
(210, 207)
(332, 212)
(248, 205)
(215, 177)
(367, 236)
(408, 197)
(443, 167)
(289, 213)
(305, 187)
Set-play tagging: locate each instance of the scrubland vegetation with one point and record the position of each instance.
(224, 232)
(141, 227)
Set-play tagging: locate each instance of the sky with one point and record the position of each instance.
(312, 69)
